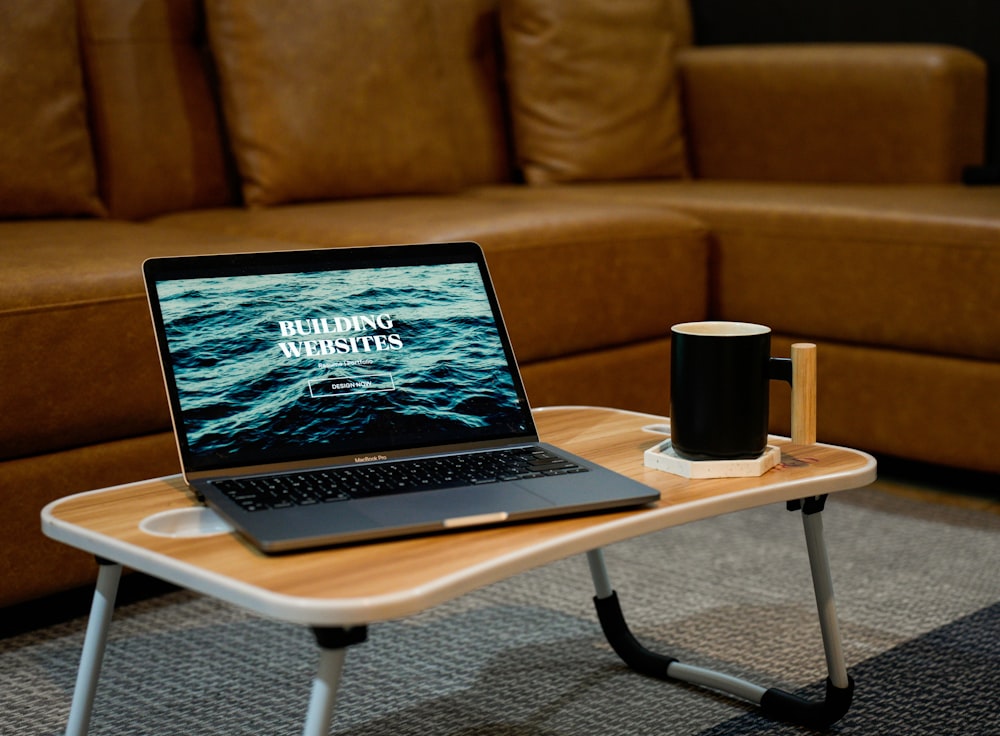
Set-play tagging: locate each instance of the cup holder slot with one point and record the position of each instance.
(181, 523)
(660, 428)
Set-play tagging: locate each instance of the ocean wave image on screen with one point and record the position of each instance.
(277, 364)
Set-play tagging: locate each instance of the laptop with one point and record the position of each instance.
(324, 397)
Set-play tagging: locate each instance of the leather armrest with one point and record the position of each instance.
(866, 113)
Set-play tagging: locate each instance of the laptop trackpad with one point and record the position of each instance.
(487, 501)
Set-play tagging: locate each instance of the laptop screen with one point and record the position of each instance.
(272, 360)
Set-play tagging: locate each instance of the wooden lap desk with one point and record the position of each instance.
(339, 591)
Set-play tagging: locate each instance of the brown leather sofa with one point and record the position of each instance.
(620, 180)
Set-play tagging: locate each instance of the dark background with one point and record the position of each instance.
(971, 24)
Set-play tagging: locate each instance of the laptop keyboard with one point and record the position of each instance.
(364, 481)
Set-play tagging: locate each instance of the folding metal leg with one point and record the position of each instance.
(333, 644)
(773, 702)
(332, 641)
(812, 523)
(94, 645)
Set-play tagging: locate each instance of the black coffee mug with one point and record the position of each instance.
(719, 397)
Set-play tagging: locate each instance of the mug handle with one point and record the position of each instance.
(800, 372)
(803, 393)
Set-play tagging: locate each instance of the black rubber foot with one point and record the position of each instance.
(784, 706)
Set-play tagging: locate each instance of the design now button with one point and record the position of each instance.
(342, 385)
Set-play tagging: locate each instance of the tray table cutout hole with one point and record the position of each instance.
(181, 523)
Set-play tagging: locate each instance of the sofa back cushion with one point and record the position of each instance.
(160, 143)
(46, 160)
(594, 89)
(333, 99)
(471, 49)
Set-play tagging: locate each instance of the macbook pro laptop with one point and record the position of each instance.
(332, 396)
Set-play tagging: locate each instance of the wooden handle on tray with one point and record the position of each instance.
(803, 393)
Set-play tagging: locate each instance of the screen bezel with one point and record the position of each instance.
(314, 260)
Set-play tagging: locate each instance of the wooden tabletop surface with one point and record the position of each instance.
(373, 582)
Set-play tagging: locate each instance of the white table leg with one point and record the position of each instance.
(93, 648)
(324, 692)
(333, 643)
(599, 574)
(819, 563)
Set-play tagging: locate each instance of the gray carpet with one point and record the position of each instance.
(918, 592)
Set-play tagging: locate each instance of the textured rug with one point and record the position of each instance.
(918, 594)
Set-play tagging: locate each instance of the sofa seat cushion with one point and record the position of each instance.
(79, 362)
(571, 277)
(911, 267)
(35, 565)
